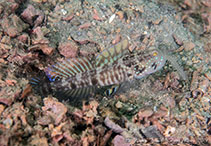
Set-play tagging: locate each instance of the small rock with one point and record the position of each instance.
(207, 19)
(67, 135)
(11, 82)
(169, 131)
(85, 25)
(54, 109)
(9, 7)
(206, 3)
(189, 3)
(32, 16)
(120, 141)
(24, 38)
(119, 104)
(115, 127)
(111, 18)
(68, 49)
(1, 34)
(8, 122)
(100, 129)
(37, 1)
(141, 9)
(40, 42)
(157, 85)
(45, 120)
(170, 101)
(145, 113)
(96, 15)
(120, 14)
(6, 40)
(57, 138)
(116, 39)
(6, 101)
(177, 40)
(157, 21)
(152, 132)
(179, 49)
(68, 18)
(57, 132)
(36, 140)
(1, 9)
(47, 49)
(13, 7)
(208, 75)
(189, 46)
(1, 108)
(38, 36)
(13, 25)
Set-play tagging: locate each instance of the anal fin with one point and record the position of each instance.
(75, 95)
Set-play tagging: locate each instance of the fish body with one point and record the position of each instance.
(89, 80)
(77, 78)
(144, 63)
(97, 77)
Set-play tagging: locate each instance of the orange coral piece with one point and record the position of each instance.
(26, 91)
(11, 82)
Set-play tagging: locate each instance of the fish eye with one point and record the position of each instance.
(136, 68)
(154, 65)
(155, 53)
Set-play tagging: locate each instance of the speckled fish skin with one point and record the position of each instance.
(80, 76)
(98, 77)
(144, 63)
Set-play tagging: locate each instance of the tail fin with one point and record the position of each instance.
(174, 63)
(41, 86)
(34, 81)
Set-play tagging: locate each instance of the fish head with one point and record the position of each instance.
(148, 63)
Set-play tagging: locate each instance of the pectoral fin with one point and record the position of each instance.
(75, 95)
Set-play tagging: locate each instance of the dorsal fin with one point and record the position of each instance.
(68, 68)
(112, 54)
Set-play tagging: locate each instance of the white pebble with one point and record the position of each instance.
(64, 12)
(112, 18)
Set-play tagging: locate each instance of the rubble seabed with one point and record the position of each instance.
(160, 109)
